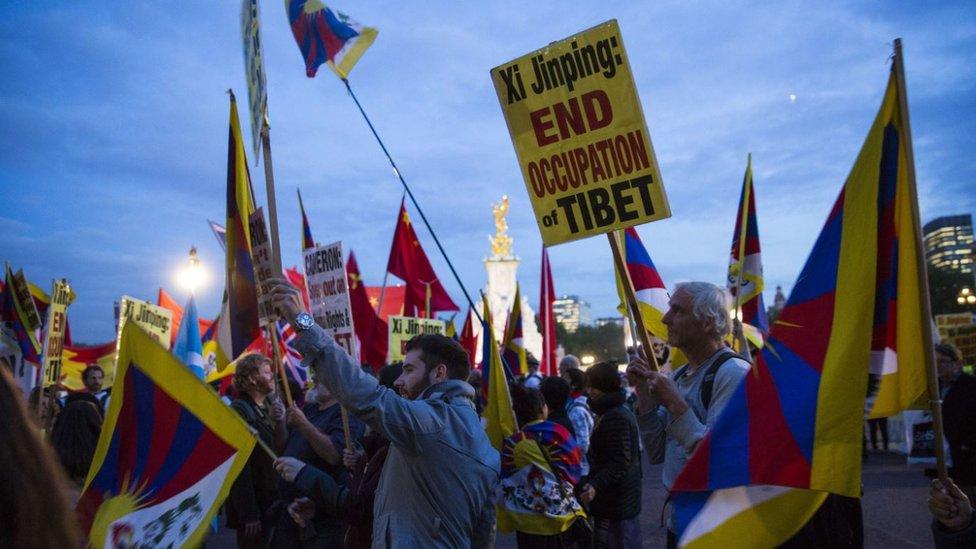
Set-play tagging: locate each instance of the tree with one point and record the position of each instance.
(944, 288)
(603, 343)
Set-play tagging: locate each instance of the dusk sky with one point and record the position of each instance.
(114, 133)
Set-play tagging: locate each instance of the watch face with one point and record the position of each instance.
(304, 320)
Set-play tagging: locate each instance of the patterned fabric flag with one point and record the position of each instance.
(547, 295)
(167, 455)
(239, 314)
(307, 241)
(792, 430)
(74, 360)
(292, 359)
(188, 347)
(652, 295)
(371, 330)
(499, 416)
(327, 36)
(21, 312)
(409, 262)
(745, 257)
(513, 347)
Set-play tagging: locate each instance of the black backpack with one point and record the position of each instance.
(708, 382)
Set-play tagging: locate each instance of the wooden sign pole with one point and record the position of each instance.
(632, 304)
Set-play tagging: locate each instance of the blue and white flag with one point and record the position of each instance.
(188, 348)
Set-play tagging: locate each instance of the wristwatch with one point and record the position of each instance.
(303, 321)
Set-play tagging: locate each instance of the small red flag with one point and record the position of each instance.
(469, 342)
(371, 331)
(409, 262)
(547, 294)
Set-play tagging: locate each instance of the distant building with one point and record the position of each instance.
(614, 320)
(571, 312)
(949, 242)
(779, 301)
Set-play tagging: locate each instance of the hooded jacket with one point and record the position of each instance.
(438, 480)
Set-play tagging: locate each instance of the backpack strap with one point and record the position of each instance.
(708, 382)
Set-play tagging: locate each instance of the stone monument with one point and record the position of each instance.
(502, 267)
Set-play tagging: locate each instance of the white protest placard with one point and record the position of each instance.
(155, 320)
(325, 279)
(403, 328)
(257, 88)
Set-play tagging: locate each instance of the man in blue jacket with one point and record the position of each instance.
(437, 483)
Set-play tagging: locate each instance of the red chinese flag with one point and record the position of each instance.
(409, 262)
(469, 342)
(547, 362)
(371, 331)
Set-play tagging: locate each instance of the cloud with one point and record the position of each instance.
(115, 135)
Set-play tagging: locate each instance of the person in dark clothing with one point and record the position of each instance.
(556, 392)
(613, 486)
(354, 501)
(74, 438)
(251, 500)
(958, 391)
(315, 436)
(875, 426)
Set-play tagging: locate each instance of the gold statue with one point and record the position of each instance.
(501, 243)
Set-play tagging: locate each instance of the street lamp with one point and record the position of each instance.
(966, 297)
(192, 276)
(587, 360)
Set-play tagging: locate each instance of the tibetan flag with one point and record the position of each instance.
(745, 276)
(547, 295)
(239, 314)
(307, 241)
(371, 331)
(499, 416)
(167, 455)
(792, 431)
(326, 36)
(468, 341)
(21, 312)
(652, 295)
(513, 346)
(188, 347)
(409, 262)
(74, 360)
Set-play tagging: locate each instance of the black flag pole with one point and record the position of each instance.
(413, 200)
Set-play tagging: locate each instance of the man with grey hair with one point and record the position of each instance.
(676, 412)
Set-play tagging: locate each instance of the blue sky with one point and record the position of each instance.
(114, 120)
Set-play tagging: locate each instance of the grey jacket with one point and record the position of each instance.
(440, 473)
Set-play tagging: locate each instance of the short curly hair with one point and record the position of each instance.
(245, 367)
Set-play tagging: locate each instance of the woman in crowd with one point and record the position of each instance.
(540, 466)
(613, 487)
(74, 438)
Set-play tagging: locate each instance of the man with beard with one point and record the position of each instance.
(253, 494)
(436, 486)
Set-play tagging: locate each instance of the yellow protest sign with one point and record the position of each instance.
(964, 338)
(54, 334)
(403, 328)
(952, 320)
(155, 320)
(580, 137)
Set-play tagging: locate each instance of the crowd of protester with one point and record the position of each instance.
(399, 457)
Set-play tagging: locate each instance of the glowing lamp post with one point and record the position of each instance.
(192, 276)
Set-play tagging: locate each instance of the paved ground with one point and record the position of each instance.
(895, 515)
